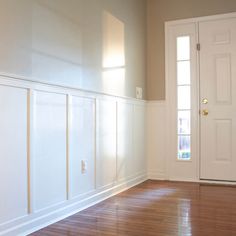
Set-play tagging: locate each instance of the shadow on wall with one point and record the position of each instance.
(56, 46)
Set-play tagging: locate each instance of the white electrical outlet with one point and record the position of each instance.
(139, 93)
(84, 166)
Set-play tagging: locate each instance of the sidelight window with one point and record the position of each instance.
(184, 98)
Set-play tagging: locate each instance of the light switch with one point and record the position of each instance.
(139, 93)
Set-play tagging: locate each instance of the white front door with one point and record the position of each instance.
(218, 99)
(201, 146)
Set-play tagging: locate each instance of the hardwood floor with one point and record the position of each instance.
(156, 208)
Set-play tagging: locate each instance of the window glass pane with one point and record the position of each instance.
(183, 72)
(184, 122)
(183, 48)
(184, 100)
(184, 148)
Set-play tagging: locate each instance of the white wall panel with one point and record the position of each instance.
(156, 140)
(106, 143)
(139, 130)
(82, 145)
(49, 149)
(125, 143)
(13, 153)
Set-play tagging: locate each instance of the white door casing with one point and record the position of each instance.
(181, 169)
(213, 72)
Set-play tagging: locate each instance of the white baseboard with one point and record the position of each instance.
(163, 177)
(157, 176)
(37, 223)
(180, 179)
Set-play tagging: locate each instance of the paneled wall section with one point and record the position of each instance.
(63, 150)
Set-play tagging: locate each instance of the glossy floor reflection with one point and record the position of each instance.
(157, 208)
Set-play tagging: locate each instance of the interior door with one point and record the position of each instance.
(218, 99)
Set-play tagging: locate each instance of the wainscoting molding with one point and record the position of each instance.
(63, 150)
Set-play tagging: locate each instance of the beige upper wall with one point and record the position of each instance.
(159, 11)
(97, 45)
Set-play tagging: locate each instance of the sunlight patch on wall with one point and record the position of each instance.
(113, 64)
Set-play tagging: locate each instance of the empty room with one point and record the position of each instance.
(118, 117)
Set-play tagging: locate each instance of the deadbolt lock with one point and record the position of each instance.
(204, 100)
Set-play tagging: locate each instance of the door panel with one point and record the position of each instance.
(218, 86)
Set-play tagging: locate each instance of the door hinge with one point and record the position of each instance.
(198, 46)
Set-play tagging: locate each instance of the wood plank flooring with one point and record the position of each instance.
(156, 208)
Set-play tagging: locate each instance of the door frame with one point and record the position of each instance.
(168, 91)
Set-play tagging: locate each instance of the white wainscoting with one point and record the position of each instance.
(46, 133)
(81, 145)
(157, 134)
(13, 156)
(49, 150)
(125, 141)
(106, 143)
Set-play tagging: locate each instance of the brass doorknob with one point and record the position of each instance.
(205, 112)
